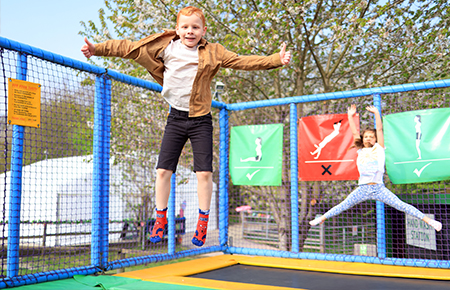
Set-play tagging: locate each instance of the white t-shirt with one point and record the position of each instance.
(181, 65)
(370, 164)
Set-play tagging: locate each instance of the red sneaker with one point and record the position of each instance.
(200, 234)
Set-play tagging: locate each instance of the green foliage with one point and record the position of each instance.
(335, 45)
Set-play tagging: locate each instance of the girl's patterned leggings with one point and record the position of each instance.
(377, 192)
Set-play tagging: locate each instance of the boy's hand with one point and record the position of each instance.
(285, 56)
(88, 49)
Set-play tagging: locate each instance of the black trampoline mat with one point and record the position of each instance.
(316, 280)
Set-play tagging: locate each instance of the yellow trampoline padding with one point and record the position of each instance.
(186, 268)
(177, 273)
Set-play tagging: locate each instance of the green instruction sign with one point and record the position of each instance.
(418, 146)
(256, 154)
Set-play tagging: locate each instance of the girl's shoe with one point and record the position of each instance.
(316, 221)
(436, 225)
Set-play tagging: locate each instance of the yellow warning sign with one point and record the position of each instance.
(24, 103)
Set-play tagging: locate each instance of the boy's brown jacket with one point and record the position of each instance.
(212, 56)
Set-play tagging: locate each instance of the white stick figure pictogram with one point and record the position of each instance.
(258, 149)
(418, 121)
(336, 127)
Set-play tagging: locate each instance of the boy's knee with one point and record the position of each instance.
(204, 175)
(163, 173)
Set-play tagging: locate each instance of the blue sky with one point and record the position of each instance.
(51, 25)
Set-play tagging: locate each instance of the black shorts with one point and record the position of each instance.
(179, 128)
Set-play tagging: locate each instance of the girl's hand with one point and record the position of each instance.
(372, 109)
(351, 111)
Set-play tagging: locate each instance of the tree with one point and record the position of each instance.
(336, 46)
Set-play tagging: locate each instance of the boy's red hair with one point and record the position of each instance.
(188, 11)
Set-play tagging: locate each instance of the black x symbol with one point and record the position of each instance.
(326, 170)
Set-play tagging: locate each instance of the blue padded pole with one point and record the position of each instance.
(223, 177)
(97, 198)
(381, 218)
(16, 184)
(227, 166)
(171, 215)
(294, 177)
(106, 128)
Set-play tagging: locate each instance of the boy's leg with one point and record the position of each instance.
(201, 135)
(204, 190)
(162, 188)
(171, 145)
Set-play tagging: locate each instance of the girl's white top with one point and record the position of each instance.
(181, 65)
(370, 163)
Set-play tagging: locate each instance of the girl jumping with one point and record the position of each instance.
(370, 163)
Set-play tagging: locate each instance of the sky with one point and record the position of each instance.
(51, 25)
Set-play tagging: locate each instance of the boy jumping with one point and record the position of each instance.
(184, 63)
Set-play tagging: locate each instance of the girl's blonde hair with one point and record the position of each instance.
(188, 11)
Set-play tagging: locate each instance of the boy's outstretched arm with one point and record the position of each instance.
(232, 60)
(88, 49)
(285, 56)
